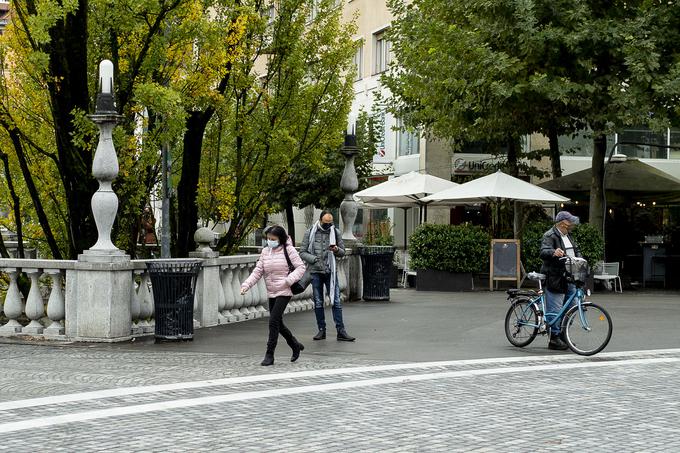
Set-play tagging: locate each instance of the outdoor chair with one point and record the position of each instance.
(407, 271)
(608, 272)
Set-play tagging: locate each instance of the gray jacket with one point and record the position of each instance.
(317, 260)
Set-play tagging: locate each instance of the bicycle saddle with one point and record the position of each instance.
(535, 276)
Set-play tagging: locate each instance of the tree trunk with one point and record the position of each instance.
(290, 220)
(596, 216)
(35, 196)
(69, 92)
(187, 189)
(553, 140)
(513, 157)
(16, 205)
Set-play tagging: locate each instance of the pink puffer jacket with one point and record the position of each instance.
(274, 267)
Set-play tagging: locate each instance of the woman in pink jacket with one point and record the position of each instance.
(278, 279)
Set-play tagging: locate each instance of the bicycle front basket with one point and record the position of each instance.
(578, 268)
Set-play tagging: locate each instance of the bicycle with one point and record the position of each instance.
(586, 327)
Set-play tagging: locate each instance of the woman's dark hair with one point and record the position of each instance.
(325, 212)
(279, 232)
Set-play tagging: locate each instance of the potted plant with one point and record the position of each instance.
(446, 256)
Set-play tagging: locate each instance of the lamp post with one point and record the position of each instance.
(105, 165)
(99, 305)
(349, 184)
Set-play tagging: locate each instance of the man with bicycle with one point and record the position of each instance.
(558, 243)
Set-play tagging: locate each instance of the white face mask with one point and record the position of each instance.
(272, 244)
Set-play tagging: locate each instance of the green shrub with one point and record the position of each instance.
(590, 242)
(587, 237)
(531, 238)
(452, 248)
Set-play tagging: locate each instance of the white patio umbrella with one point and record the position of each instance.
(404, 191)
(494, 188)
(408, 189)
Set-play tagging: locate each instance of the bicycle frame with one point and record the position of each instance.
(551, 319)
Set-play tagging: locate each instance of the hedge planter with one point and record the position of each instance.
(434, 280)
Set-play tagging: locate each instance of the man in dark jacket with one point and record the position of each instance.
(558, 243)
(321, 245)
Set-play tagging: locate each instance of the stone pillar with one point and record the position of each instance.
(208, 285)
(349, 184)
(103, 273)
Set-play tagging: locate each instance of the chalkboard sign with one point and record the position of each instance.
(504, 261)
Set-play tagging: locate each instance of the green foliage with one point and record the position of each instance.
(531, 238)
(590, 242)
(587, 237)
(379, 233)
(452, 248)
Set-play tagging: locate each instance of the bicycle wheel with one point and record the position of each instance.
(587, 334)
(521, 323)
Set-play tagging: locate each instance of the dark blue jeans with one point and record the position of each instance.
(554, 303)
(318, 283)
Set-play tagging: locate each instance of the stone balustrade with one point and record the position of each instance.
(51, 308)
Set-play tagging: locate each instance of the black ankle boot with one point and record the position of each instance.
(344, 336)
(268, 359)
(296, 347)
(557, 344)
(321, 335)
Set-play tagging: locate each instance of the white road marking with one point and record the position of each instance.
(127, 391)
(43, 422)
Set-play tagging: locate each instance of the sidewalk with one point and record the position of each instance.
(424, 326)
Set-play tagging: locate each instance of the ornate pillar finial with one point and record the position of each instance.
(349, 184)
(105, 164)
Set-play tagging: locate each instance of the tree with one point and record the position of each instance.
(282, 114)
(494, 70)
(321, 187)
(168, 55)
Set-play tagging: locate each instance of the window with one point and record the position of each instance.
(359, 62)
(648, 138)
(408, 141)
(381, 52)
(675, 141)
(270, 13)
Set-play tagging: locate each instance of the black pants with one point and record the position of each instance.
(276, 326)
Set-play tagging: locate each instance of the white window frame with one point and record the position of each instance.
(382, 52)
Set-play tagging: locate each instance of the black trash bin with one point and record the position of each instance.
(174, 285)
(376, 265)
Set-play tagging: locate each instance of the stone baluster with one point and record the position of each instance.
(221, 299)
(262, 304)
(55, 305)
(236, 292)
(146, 304)
(35, 307)
(253, 296)
(135, 305)
(258, 296)
(247, 297)
(13, 306)
(229, 300)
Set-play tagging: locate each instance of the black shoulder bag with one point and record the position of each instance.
(296, 287)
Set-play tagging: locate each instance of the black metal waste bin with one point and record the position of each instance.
(174, 285)
(376, 265)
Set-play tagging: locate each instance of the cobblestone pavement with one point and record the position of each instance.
(91, 399)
